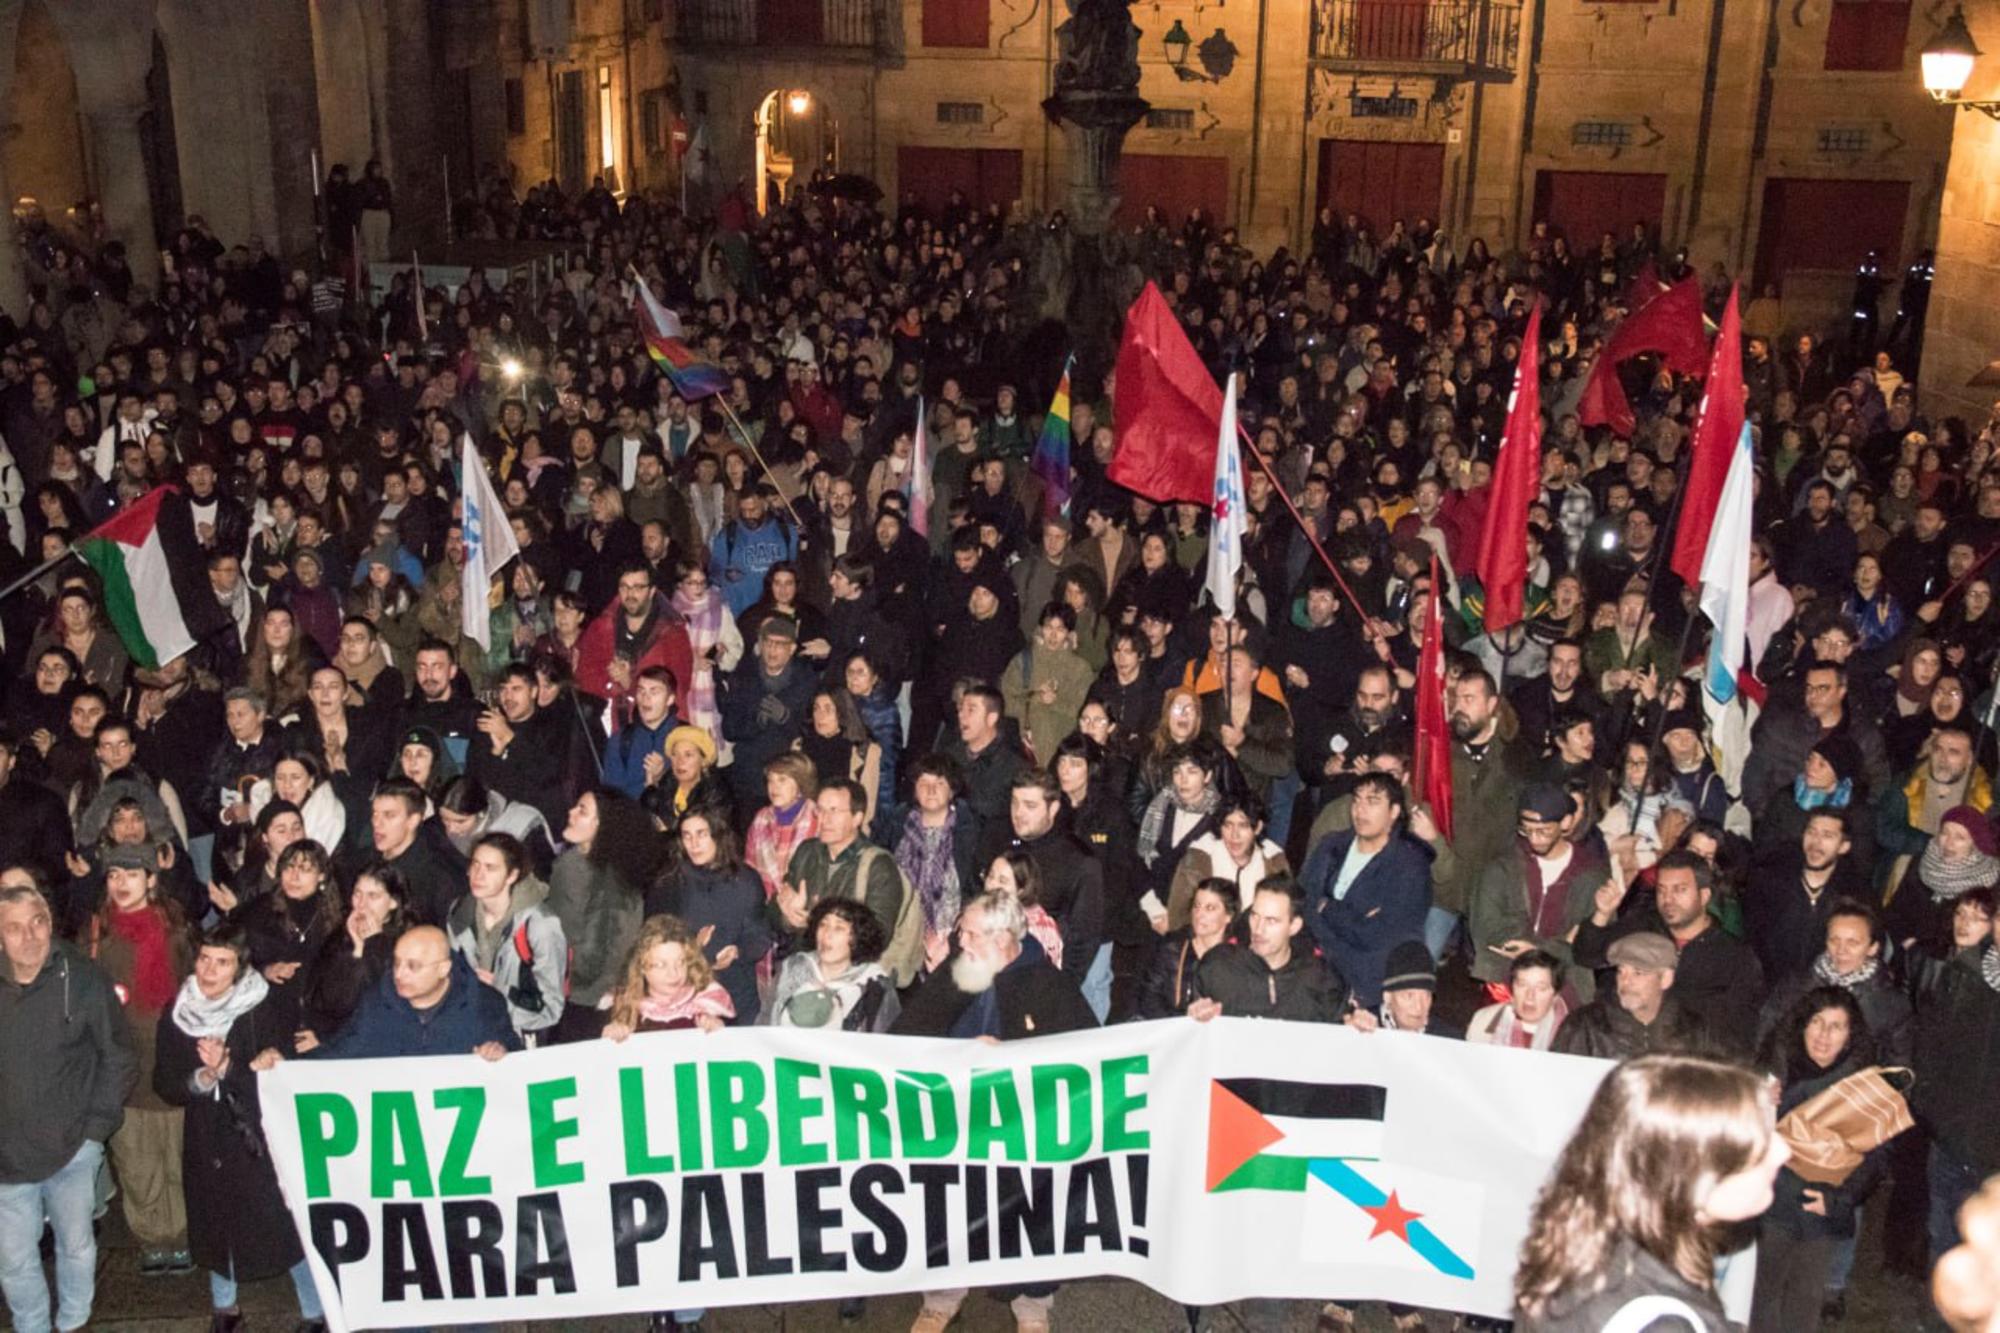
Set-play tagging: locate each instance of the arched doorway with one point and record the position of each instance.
(796, 136)
(46, 162)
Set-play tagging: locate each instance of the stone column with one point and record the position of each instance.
(118, 162)
(13, 281)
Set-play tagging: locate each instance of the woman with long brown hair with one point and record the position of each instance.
(1672, 1151)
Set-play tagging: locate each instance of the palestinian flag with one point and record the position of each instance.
(155, 577)
(1265, 1133)
(1324, 1142)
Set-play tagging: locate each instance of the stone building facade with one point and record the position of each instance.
(1962, 333)
(1780, 139)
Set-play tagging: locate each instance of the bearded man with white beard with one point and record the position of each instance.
(1000, 986)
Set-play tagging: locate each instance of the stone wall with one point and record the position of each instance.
(1963, 332)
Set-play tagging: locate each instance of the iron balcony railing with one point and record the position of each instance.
(854, 25)
(1467, 36)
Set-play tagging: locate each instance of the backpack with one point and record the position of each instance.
(526, 993)
(905, 952)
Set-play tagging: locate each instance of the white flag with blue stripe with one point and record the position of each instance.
(1725, 600)
(489, 544)
(1225, 528)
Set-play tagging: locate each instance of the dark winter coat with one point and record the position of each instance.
(1303, 990)
(66, 1064)
(732, 903)
(1035, 999)
(1385, 906)
(386, 1025)
(235, 1213)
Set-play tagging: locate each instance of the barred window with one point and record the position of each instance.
(1843, 139)
(1601, 134)
(960, 113)
(1169, 118)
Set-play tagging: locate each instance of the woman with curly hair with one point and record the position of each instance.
(669, 985)
(839, 982)
(1672, 1150)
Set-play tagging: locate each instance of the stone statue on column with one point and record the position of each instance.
(1096, 102)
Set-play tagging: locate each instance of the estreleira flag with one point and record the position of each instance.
(1713, 445)
(1502, 560)
(1226, 525)
(1167, 408)
(489, 544)
(1670, 324)
(1725, 600)
(1433, 718)
(920, 476)
(153, 569)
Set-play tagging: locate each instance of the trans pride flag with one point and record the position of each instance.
(691, 376)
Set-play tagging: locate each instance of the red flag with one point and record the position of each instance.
(1168, 409)
(1712, 445)
(1644, 288)
(1670, 324)
(1433, 720)
(1502, 562)
(597, 646)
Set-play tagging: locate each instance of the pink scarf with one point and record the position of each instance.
(704, 630)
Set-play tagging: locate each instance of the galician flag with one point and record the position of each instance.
(153, 568)
(489, 544)
(1051, 462)
(1225, 527)
(920, 476)
(1725, 600)
(1325, 1140)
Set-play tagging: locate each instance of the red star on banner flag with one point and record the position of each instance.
(1391, 1219)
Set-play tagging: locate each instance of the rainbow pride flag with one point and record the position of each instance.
(1051, 461)
(691, 376)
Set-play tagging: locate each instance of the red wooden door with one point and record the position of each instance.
(1829, 225)
(1381, 182)
(1583, 205)
(986, 175)
(965, 23)
(1174, 185)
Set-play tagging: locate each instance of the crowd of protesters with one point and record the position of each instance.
(749, 741)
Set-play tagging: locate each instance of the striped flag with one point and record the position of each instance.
(489, 544)
(920, 476)
(1325, 1141)
(1051, 461)
(155, 578)
(1725, 600)
(666, 344)
(1226, 522)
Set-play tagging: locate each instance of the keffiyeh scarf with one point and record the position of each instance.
(1947, 879)
(1825, 973)
(200, 1017)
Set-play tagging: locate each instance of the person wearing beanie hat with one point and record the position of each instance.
(1828, 779)
(1962, 857)
(1690, 768)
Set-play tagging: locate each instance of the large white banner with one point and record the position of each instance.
(1209, 1161)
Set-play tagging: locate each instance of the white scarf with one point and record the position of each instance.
(199, 1016)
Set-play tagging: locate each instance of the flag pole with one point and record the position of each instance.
(36, 573)
(751, 445)
(1419, 768)
(1299, 518)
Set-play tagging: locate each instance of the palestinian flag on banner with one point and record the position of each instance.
(1274, 1134)
(1264, 1133)
(155, 577)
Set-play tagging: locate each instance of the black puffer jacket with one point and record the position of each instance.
(1958, 1067)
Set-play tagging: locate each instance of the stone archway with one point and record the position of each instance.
(797, 134)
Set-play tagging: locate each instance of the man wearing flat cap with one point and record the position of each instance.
(1641, 1016)
(1535, 894)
